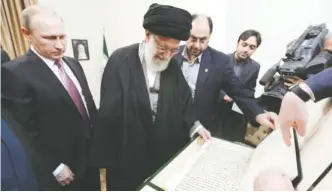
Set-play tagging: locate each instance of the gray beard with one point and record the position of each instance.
(156, 67)
(153, 65)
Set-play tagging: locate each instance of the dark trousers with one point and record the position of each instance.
(234, 125)
(89, 182)
(118, 180)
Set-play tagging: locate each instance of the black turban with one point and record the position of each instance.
(168, 21)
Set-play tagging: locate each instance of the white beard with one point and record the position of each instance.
(154, 65)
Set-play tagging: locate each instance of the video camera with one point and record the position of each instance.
(304, 57)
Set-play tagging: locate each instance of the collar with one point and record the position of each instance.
(185, 56)
(48, 61)
(245, 61)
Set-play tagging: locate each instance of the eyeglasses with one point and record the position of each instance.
(163, 48)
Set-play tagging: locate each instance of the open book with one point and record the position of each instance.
(218, 166)
(204, 166)
(221, 165)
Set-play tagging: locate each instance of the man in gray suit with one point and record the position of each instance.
(247, 70)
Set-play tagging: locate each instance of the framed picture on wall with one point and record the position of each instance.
(80, 49)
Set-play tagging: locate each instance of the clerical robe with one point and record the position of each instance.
(128, 140)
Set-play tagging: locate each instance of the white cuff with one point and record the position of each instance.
(58, 169)
(308, 90)
(196, 130)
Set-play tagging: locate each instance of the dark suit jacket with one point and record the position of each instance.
(16, 170)
(4, 57)
(234, 124)
(321, 84)
(21, 168)
(216, 73)
(248, 75)
(38, 100)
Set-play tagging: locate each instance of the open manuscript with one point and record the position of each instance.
(204, 166)
(224, 166)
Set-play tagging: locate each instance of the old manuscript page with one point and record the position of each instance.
(220, 166)
(214, 165)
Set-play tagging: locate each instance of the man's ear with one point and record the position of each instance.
(26, 33)
(147, 35)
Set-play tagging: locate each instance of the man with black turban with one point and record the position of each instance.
(146, 113)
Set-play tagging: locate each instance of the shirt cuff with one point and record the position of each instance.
(58, 169)
(308, 90)
(197, 126)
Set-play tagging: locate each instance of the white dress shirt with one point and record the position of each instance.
(151, 77)
(54, 68)
(190, 70)
(51, 64)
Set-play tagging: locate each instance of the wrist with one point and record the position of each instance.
(304, 92)
(308, 90)
(58, 169)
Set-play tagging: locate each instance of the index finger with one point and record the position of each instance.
(275, 119)
(208, 135)
(285, 131)
(202, 134)
(301, 127)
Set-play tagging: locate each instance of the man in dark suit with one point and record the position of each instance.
(247, 70)
(21, 168)
(49, 96)
(4, 56)
(207, 71)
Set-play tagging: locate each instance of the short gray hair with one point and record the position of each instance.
(29, 12)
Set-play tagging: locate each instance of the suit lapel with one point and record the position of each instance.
(246, 71)
(247, 68)
(204, 68)
(47, 76)
(81, 80)
(77, 72)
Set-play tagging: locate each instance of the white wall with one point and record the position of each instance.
(82, 22)
(124, 19)
(279, 21)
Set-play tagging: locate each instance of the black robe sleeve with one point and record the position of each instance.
(105, 144)
(187, 102)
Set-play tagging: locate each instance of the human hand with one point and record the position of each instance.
(227, 99)
(205, 134)
(268, 119)
(273, 179)
(293, 113)
(65, 176)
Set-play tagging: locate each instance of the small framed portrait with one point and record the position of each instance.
(81, 49)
